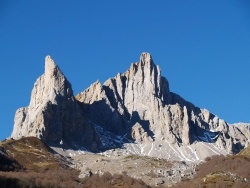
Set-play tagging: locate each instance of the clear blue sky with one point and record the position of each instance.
(202, 47)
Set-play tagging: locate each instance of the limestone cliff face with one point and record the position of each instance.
(53, 113)
(139, 98)
(134, 107)
(138, 103)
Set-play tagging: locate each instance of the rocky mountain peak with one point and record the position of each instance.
(146, 59)
(146, 76)
(134, 109)
(52, 71)
(50, 64)
(145, 66)
(53, 114)
(95, 91)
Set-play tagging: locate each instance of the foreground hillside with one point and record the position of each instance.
(29, 162)
(8, 163)
(34, 165)
(222, 171)
(32, 154)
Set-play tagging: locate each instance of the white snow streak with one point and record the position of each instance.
(152, 145)
(174, 151)
(210, 148)
(194, 153)
(184, 157)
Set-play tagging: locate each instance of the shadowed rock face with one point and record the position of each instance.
(53, 113)
(136, 106)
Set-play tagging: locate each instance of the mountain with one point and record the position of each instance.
(53, 114)
(139, 107)
(135, 111)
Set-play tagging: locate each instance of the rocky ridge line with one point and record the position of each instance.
(139, 104)
(135, 110)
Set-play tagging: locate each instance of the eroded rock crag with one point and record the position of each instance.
(139, 103)
(134, 107)
(53, 114)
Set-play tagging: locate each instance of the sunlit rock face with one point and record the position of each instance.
(53, 113)
(134, 110)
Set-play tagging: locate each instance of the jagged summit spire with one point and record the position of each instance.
(145, 64)
(51, 68)
(49, 64)
(53, 113)
(146, 58)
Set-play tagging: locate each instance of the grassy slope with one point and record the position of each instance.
(33, 154)
(43, 168)
(8, 163)
(220, 171)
